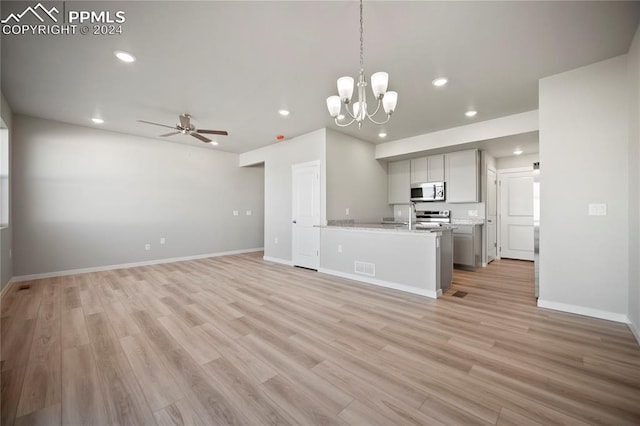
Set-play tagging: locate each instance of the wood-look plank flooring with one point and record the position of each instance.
(237, 340)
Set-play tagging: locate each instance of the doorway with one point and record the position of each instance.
(516, 214)
(305, 229)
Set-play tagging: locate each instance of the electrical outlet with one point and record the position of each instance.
(147, 246)
(249, 213)
(399, 213)
(472, 213)
(597, 209)
(162, 240)
(275, 240)
(346, 211)
(339, 248)
(235, 212)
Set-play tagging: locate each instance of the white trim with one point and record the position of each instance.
(515, 170)
(634, 331)
(395, 286)
(306, 164)
(581, 310)
(128, 265)
(6, 287)
(277, 260)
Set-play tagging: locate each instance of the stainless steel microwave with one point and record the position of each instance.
(430, 191)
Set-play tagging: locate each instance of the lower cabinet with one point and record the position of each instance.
(467, 246)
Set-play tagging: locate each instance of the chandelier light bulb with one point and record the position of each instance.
(345, 88)
(389, 102)
(334, 105)
(379, 83)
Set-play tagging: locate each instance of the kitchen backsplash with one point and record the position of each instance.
(458, 211)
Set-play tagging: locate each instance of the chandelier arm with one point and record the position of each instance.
(376, 111)
(345, 124)
(381, 122)
(346, 108)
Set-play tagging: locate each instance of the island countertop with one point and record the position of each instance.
(386, 227)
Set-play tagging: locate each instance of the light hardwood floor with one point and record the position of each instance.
(236, 340)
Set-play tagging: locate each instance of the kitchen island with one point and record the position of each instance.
(418, 261)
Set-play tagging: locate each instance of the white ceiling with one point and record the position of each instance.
(232, 65)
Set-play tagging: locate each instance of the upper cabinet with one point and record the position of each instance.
(399, 181)
(462, 176)
(427, 169)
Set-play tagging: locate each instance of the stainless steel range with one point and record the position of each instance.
(432, 218)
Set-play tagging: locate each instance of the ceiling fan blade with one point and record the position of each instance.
(202, 138)
(157, 124)
(213, 132)
(170, 134)
(185, 121)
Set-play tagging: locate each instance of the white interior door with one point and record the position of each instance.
(306, 215)
(492, 215)
(516, 214)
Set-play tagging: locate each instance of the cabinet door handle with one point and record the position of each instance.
(294, 221)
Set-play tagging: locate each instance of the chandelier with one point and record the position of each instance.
(359, 111)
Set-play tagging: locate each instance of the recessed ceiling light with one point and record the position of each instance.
(124, 56)
(382, 135)
(340, 117)
(440, 81)
(283, 112)
(471, 113)
(517, 151)
(213, 143)
(97, 120)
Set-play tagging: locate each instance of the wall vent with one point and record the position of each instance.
(365, 268)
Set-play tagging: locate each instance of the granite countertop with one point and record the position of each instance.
(385, 227)
(467, 221)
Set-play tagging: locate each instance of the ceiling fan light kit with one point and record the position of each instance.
(186, 128)
(359, 111)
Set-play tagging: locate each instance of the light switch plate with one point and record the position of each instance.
(249, 212)
(597, 209)
(235, 212)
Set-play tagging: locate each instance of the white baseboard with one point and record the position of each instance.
(277, 260)
(581, 310)
(634, 329)
(382, 283)
(127, 265)
(6, 287)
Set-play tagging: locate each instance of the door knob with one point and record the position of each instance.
(295, 221)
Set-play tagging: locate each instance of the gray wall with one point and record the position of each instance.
(6, 263)
(517, 161)
(634, 185)
(278, 159)
(87, 198)
(584, 148)
(355, 180)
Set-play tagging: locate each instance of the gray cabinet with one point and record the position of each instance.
(399, 183)
(467, 246)
(427, 169)
(462, 176)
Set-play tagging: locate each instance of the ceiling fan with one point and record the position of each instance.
(186, 128)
